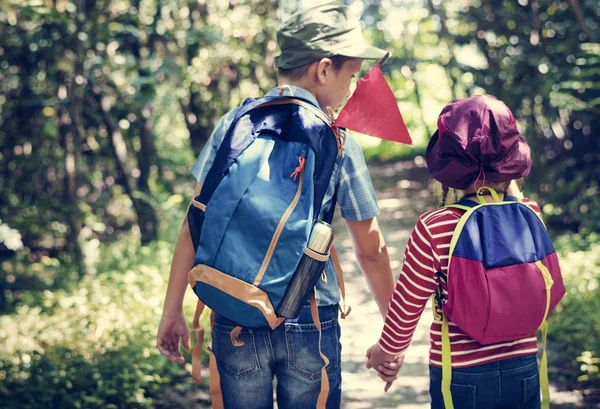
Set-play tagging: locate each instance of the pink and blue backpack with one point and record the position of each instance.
(503, 279)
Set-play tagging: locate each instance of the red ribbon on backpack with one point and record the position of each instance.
(299, 168)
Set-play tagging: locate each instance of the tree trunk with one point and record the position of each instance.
(199, 133)
(146, 217)
(146, 156)
(68, 142)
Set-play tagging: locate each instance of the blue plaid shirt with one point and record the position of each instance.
(355, 192)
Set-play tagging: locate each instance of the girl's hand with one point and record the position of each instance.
(386, 365)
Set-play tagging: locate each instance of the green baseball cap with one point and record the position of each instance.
(319, 32)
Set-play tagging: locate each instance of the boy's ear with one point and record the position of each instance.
(324, 70)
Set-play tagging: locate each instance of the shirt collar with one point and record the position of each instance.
(297, 92)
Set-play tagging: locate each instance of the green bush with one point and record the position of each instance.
(91, 346)
(575, 324)
(387, 151)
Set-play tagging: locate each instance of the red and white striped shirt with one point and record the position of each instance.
(427, 252)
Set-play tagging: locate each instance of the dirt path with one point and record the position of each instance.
(402, 194)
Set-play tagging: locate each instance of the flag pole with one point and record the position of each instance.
(385, 57)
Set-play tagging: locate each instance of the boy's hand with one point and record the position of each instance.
(386, 365)
(171, 329)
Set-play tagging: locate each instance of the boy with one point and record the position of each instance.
(322, 49)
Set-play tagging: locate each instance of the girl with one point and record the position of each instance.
(477, 144)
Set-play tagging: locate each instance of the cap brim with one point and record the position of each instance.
(365, 51)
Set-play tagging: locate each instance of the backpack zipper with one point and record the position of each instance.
(286, 215)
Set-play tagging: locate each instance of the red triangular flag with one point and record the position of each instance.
(373, 110)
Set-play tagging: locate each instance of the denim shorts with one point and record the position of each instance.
(508, 384)
(290, 353)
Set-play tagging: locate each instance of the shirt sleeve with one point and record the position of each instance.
(416, 284)
(534, 205)
(207, 156)
(356, 195)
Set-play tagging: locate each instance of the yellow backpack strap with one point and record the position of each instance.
(544, 384)
(492, 192)
(314, 310)
(436, 316)
(446, 364)
(340, 276)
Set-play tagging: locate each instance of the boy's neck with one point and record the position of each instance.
(301, 83)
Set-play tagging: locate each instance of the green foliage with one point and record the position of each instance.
(104, 105)
(542, 59)
(575, 324)
(388, 151)
(93, 345)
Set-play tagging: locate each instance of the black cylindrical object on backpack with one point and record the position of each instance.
(308, 271)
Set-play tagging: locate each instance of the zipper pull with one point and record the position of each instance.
(299, 168)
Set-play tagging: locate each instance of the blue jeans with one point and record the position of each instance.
(508, 384)
(290, 353)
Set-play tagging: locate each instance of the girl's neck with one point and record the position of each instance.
(474, 188)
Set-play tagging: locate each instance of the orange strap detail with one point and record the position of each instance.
(235, 337)
(197, 204)
(322, 398)
(197, 351)
(216, 395)
(299, 168)
(239, 289)
(340, 276)
(214, 386)
(283, 88)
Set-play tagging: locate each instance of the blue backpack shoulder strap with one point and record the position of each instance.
(277, 100)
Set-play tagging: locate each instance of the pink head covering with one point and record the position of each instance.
(477, 137)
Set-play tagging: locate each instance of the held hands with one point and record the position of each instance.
(171, 330)
(386, 365)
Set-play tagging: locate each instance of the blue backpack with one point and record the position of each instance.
(254, 215)
(261, 197)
